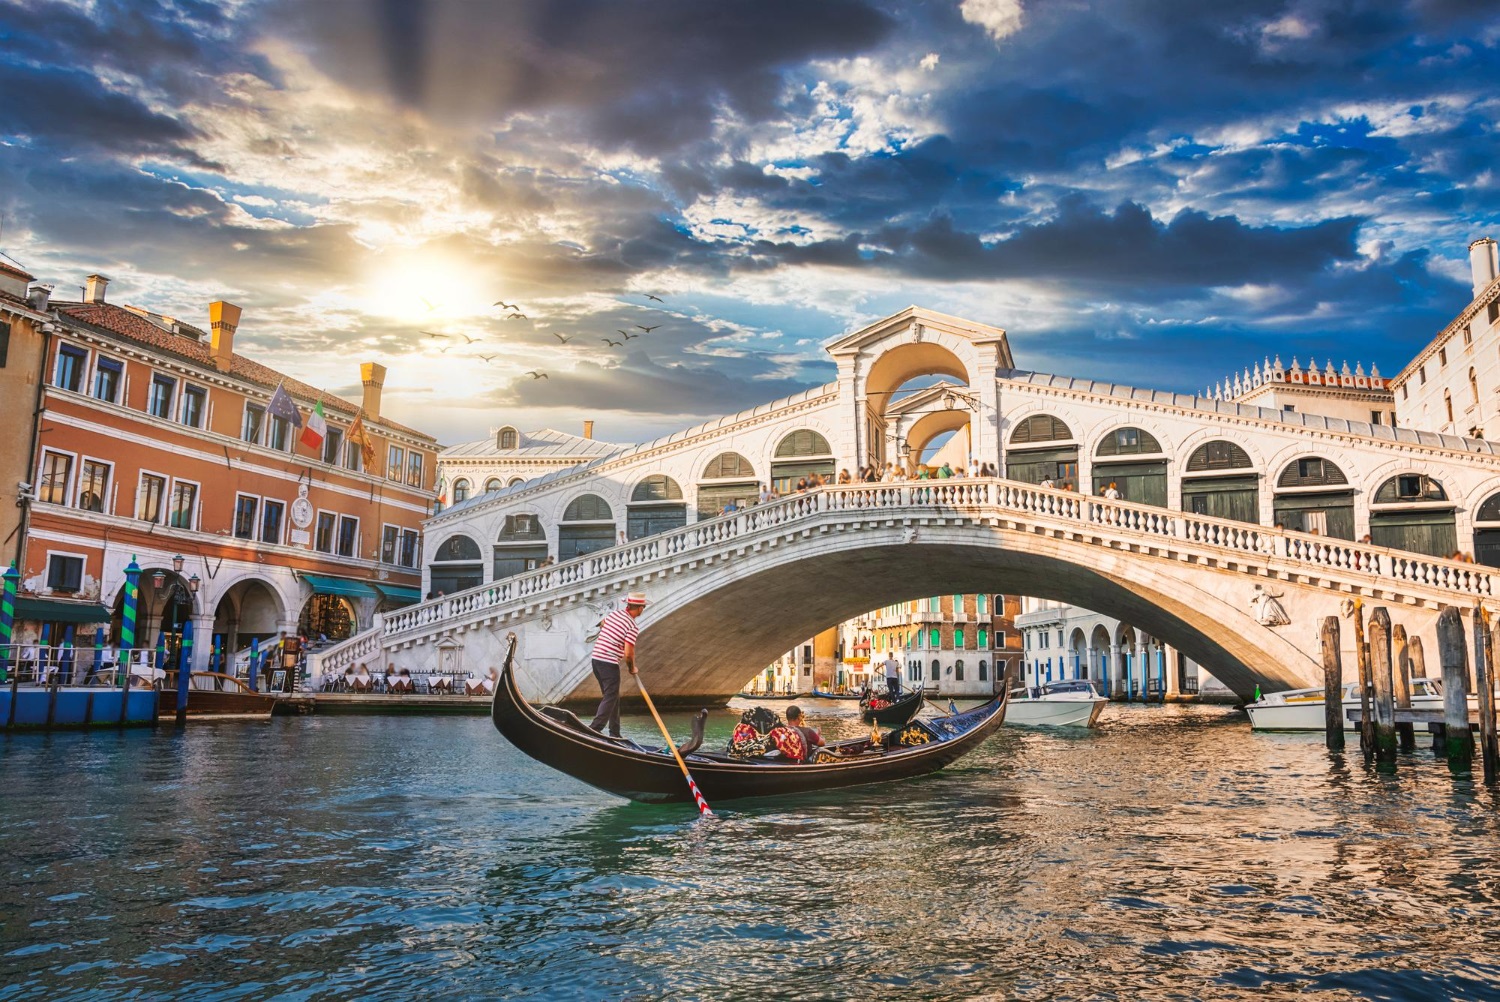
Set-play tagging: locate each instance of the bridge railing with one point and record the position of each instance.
(991, 495)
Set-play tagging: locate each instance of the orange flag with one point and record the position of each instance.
(361, 437)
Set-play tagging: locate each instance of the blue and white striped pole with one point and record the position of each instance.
(127, 630)
(184, 669)
(255, 664)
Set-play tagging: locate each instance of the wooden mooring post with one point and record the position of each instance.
(1453, 655)
(1362, 659)
(1484, 677)
(1418, 659)
(1333, 685)
(1382, 674)
(1405, 732)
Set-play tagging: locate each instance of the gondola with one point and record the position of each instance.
(898, 714)
(780, 697)
(557, 738)
(820, 694)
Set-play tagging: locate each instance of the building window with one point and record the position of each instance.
(323, 538)
(1422, 376)
(1405, 392)
(71, 363)
(107, 378)
(1442, 356)
(93, 485)
(934, 604)
(184, 500)
(333, 445)
(64, 573)
(1473, 390)
(958, 670)
(57, 469)
(958, 639)
(491, 485)
(255, 419)
(393, 460)
(508, 438)
(148, 501)
(984, 639)
(984, 671)
(936, 637)
(1375, 417)
(388, 540)
(194, 404)
(4, 343)
(159, 401)
(1468, 335)
(999, 638)
(348, 536)
(245, 510)
(460, 491)
(980, 601)
(270, 521)
(1448, 405)
(354, 456)
(414, 469)
(279, 436)
(408, 548)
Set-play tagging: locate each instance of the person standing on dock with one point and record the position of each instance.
(614, 647)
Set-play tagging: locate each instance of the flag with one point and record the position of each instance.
(317, 428)
(358, 435)
(282, 406)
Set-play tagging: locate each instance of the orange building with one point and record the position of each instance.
(157, 442)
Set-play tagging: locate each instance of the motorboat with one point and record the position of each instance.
(1302, 709)
(1069, 703)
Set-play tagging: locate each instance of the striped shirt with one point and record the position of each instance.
(617, 630)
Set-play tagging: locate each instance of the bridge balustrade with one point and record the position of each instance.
(917, 497)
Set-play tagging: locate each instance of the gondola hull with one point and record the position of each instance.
(898, 714)
(652, 776)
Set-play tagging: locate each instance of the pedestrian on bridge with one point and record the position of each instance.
(615, 646)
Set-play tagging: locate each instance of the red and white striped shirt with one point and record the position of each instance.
(617, 630)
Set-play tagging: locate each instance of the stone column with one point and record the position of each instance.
(1116, 670)
(1174, 672)
(203, 641)
(1144, 659)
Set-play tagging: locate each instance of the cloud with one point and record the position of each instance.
(1000, 18)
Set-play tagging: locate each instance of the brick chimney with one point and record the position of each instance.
(94, 291)
(372, 374)
(588, 429)
(223, 319)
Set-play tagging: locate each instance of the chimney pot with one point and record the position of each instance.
(372, 375)
(1482, 263)
(38, 296)
(588, 429)
(93, 291)
(223, 321)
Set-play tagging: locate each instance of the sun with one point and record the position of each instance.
(423, 288)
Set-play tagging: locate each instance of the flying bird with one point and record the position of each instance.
(433, 334)
(504, 305)
(657, 298)
(537, 375)
(648, 330)
(564, 340)
(612, 344)
(488, 358)
(516, 316)
(628, 336)
(470, 340)
(427, 303)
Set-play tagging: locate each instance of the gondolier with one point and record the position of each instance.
(614, 647)
(892, 675)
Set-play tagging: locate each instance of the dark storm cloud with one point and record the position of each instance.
(69, 109)
(647, 76)
(1086, 246)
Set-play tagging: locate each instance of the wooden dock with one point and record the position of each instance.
(364, 703)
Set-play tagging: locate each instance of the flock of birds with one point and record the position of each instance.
(516, 314)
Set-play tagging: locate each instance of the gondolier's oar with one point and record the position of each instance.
(702, 804)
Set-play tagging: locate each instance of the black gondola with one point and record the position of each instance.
(820, 694)
(898, 714)
(557, 738)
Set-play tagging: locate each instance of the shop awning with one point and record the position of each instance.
(323, 584)
(47, 610)
(400, 593)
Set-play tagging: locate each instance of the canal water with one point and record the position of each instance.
(1172, 854)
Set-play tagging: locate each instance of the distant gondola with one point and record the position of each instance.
(557, 738)
(820, 694)
(898, 714)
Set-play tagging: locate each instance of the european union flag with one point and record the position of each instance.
(282, 406)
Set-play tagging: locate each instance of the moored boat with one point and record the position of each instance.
(557, 738)
(896, 714)
(211, 694)
(820, 694)
(1302, 709)
(1070, 703)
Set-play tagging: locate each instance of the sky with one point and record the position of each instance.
(1154, 192)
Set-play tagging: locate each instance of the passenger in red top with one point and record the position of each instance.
(810, 735)
(614, 647)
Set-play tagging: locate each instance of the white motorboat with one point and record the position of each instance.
(1072, 703)
(1302, 709)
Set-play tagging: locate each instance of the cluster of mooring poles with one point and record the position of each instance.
(1388, 661)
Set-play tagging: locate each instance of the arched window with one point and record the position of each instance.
(728, 464)
(937, 669)
(460, 490)
(457, 548)
(587, 508)
(508, 438)
(999, 606)
(516, 480)
(1311, 472)
(984, 668)
(521, 528)
(1128, 442)
(655, 506)
(803, 443)
(492, 484)
(1040, 428)
(1218, 456)
(1487, 537)
(1474, 391)
(659, 487)
(1313, 495)
(1448, 404)
(1409, 488)
(1406, 513)
(455, 566)
(958, 670)
(521, 545)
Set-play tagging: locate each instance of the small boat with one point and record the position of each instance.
(1068, 703)
(211, 694)
(37, 707)
(769, 696)
(820, 694)
(1302, 709)
(897, 714)
(556, 737)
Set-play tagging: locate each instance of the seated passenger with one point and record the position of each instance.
(811, 737)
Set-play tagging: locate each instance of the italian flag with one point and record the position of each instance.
(315, 429)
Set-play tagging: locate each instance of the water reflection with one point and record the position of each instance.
(1172, 854)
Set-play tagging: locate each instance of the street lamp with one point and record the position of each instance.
(177, 563)
(158, 578)
(193, 583)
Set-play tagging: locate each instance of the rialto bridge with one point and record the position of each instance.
(1205, 549)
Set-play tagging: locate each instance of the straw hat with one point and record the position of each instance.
(636, 598)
